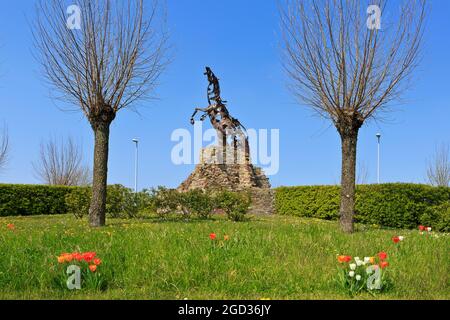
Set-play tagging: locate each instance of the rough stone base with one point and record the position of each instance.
(208, 175)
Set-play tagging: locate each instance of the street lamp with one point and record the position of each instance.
(378, 163)
(136, 141)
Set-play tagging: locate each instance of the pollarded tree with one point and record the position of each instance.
(349, 66)
(102, 56)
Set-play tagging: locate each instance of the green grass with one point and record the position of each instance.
(266, 258)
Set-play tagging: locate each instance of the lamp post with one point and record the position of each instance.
(136, 141)
(378, 162)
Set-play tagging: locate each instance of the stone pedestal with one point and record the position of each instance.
(234, 175)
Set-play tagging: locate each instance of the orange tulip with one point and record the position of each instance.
(226, 237)
(11, 226)
(343, 259)
(61, 259)
(93, 267)
(97, 262)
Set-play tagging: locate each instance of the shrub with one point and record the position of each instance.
(115, 200)
(389, 205)
(78, 201)
(28, 200)
(235, 205)
(166, 200)
(198, 202)
(122, 202)
(144, 202)
(437, 217)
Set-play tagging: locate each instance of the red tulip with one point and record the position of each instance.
(88, 256)
(396, 239)
(384, 264)
(77, 256)
(343, 259)
(212, 236)
(382, 255)
(421, 228)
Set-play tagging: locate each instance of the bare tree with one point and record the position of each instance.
(439, 167)
(61, 164)
(348, 70)
(113, 61)
(362, 176)
(4, 148)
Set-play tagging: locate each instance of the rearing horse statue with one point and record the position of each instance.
(221, 120)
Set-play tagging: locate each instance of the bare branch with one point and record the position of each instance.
(340, 67)
(4, 148)
(438, 172)
(363, 174)
(62, 164)
(114, 61)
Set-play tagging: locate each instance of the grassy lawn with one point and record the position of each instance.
(266, 258)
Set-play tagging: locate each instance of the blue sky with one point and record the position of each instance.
(239, 40)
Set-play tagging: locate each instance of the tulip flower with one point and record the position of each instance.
(382, 255)
(384, 264)
(93, 267)
(396, 239)
(88, 256)
(97, 262)
(351, 274)
(353, 266)
(421, 228)
(343, 259)
(11, 226)
(358, 277)
(212, 236)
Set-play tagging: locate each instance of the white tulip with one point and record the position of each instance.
(351, 274)
(357, 259)
(429, 229)
(401, 238)
(358, 277)
(366, 259)
(359, 263)
(353, 266)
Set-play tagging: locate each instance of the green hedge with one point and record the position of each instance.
(389, 205)
(28, 200)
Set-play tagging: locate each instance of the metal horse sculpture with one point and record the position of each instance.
(221, 120)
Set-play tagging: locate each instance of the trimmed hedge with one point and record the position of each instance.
(390, 205)
(30, 200)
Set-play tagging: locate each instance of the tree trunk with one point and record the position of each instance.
(100, 175)
(348, 184)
